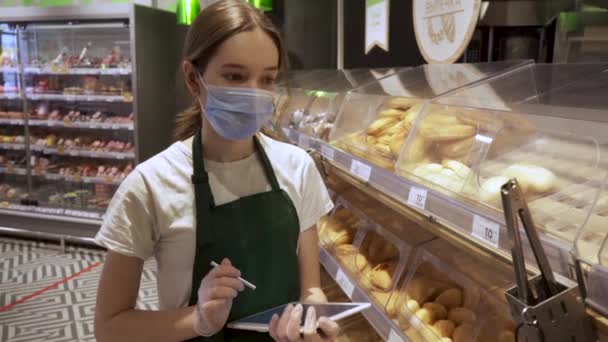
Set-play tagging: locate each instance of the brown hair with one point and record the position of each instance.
(214, 25)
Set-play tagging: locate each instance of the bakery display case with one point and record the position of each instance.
(87, 109)
(377, 118)
(312, 98)
(544, 124)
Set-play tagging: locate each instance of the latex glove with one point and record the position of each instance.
(215, 295)
(287, 327)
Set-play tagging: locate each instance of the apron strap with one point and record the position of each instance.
(272, 177)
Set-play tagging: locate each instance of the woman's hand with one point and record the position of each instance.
(215, 294)
(287, 327)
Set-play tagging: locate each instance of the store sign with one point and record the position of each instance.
(376, 24)
(444, 27)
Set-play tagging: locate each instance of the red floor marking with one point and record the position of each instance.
(52, 286)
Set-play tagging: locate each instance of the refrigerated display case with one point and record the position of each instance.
(87, 102)
(544, 124)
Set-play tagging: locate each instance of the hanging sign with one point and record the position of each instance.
(376, 24)
(444, 27)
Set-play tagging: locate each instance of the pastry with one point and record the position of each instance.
(440, 133)
(412, 305)
(464, 333)
(456, 149)
(425, 315)
(444, 328)
(450, 298)
(532, 177)
(461, 170)
(381, 276)
(391, 113)
(490, 189)
(401, 103)
(461, 315)
(381, 124)
(422, 289)
(439, 311)
(345, 249)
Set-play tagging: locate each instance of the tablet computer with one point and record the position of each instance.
(334, 311)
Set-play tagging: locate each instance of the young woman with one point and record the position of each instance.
(222, 193)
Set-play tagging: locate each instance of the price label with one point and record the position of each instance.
(328, 152)
(486, 230)
(304, 141)
(393, 336)
(361, 170)
(345, 284)
(417, 197)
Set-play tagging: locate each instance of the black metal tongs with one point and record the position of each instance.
(515, 207)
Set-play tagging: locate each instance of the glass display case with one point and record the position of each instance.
(376, 118)
(312, 98)
(74, 122)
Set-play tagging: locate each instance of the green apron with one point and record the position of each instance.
(258, 233)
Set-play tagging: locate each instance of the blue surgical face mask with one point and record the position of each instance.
(237, 113)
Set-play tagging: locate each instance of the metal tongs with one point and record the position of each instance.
(515, 207)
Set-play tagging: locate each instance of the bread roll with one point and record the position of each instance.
(532, 177)
(380, 124)
(345, 249)
(506, 336)
(439, 311)
(383, 150)
(447, 133)
(490, 190)
(412, 305)
(396, 145)
(381, 276)
(472, 296)
(401, 103)
(462, 171)
(423, 171)
(423, 289)
(342, 237)
(464, 333)
(450, 298)
(391, 113)
(457, 148)
(426, 316)
(461, 315)
(444, 328)
(441, 118)
(418, 149)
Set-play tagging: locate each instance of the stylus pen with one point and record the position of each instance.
(248, 284)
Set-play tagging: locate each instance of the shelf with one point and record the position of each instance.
(384, 326)
(55, 70)
(12, 122)
(10, 96)
(78, 124)
(92, 215)
(459, 219)
(84, 153)
(79, 179)
(79, 98)
(16, 147)
(13, 171)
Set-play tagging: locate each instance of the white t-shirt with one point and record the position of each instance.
(153, 210)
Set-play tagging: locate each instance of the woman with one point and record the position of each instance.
(222, 193)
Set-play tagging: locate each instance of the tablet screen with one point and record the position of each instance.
(334, 311)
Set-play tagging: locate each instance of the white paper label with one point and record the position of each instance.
(345, 283)
(327, 152)
(417, 197)
(376, 24)
(486, 230)
(361, 170)
(393, 336)
(303, 141)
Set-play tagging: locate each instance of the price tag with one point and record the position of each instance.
(303, 141)
(345, 284)
(417, 197)
(393, 336)
(328, 152)
(361, 170)
(486, 230)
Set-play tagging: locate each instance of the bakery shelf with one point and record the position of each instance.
(82, 124)
(12, 122)
(85, 153)
(9, 146)
(56, 70)
(78, 98)
(385, 327)
(10, 96)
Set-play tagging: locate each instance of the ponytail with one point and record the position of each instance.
(188, 122)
